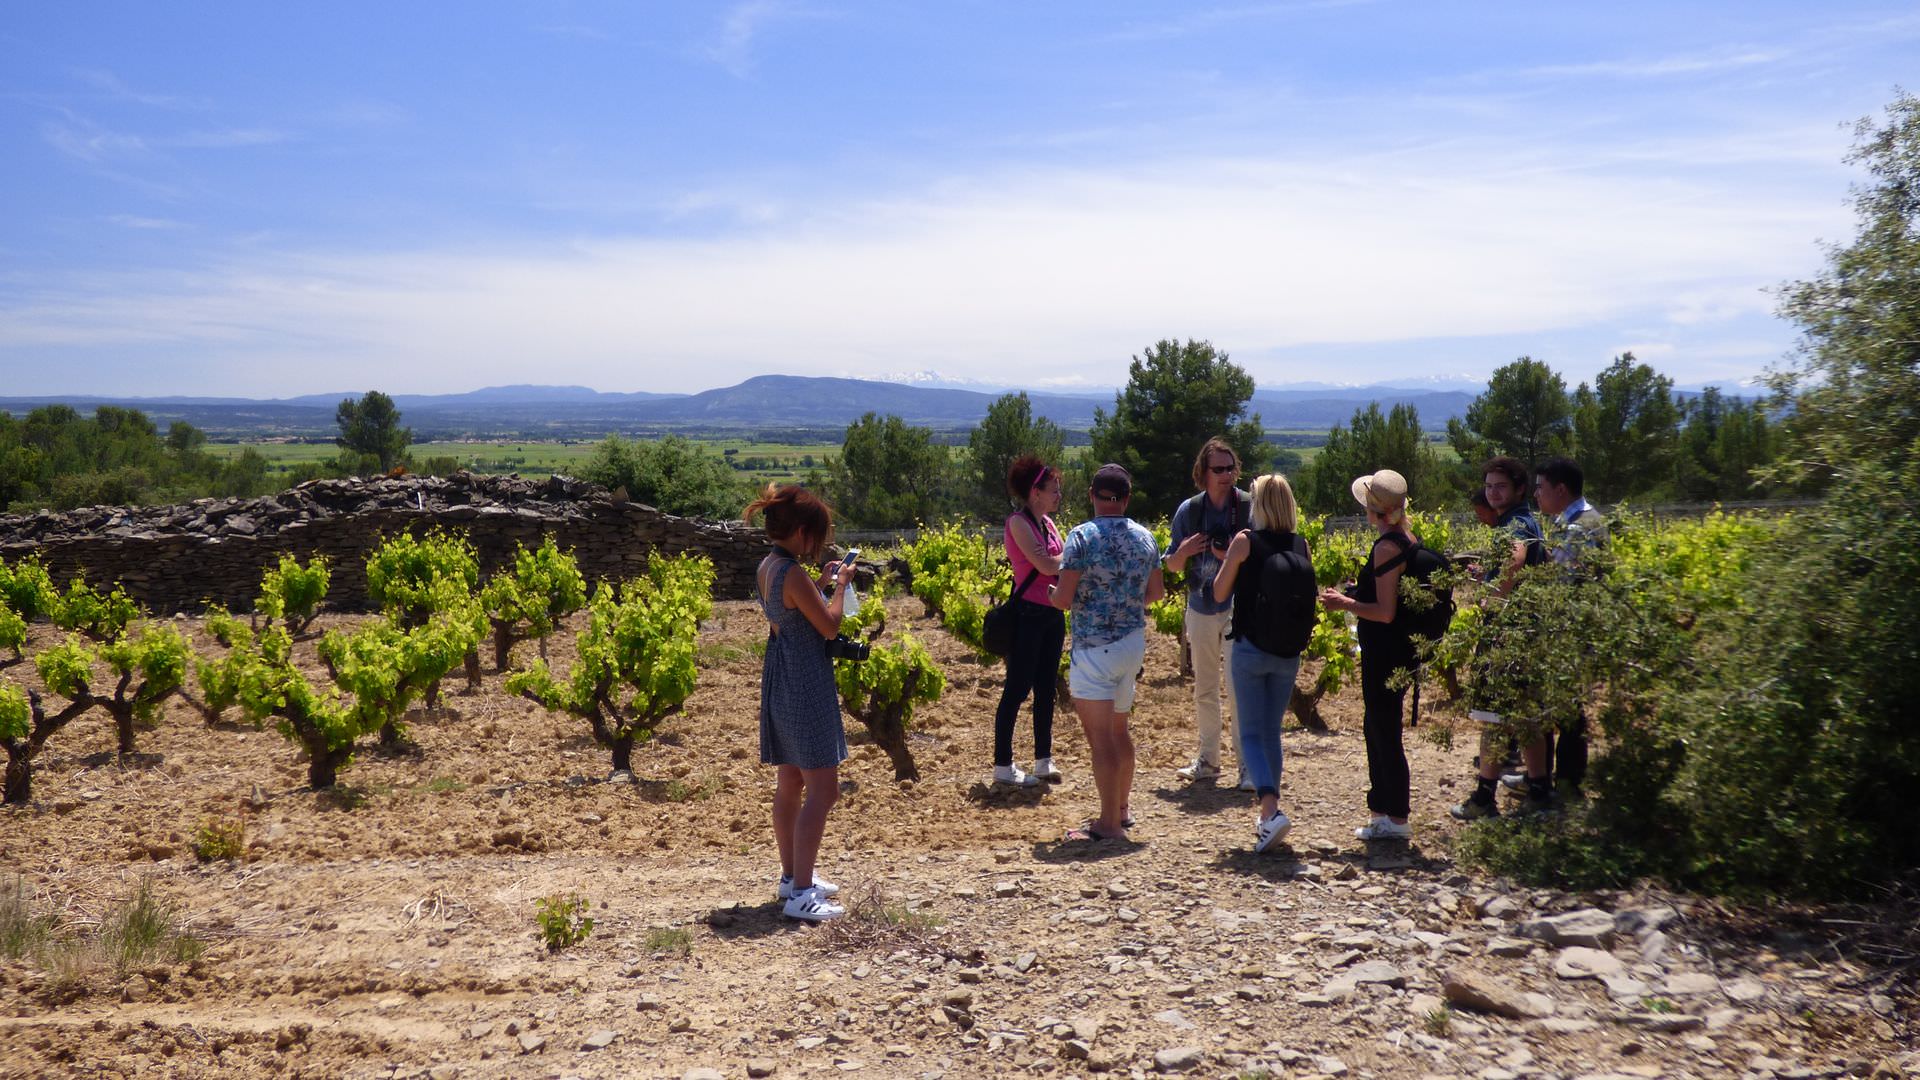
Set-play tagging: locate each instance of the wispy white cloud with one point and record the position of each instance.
(111, 86)
(743, 25)
(222, 139)
(1700, 63)
(1028, 276)
(1207, 19)
(135, 221)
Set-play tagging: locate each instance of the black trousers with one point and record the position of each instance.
(1567, 751)
(1033, 665)
(1389, 779)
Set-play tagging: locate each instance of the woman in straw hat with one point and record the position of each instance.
(1384, 650)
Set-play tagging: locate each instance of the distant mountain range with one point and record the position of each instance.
(760, 405)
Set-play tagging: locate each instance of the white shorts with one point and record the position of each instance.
(1107, 672)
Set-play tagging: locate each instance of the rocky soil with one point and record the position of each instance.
(388, 929)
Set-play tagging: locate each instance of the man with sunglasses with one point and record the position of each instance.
(1203, 526)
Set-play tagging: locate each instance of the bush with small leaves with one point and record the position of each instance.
(13, 630)
(386, 667)
(405, 573)
(544, 586)
(217, 841)
(635, 662)
(27, 589)
(25, 725)
(323, 725)
(411, 578)
(100, 616)
(563, 920)
(151, 661)
(883, 690)
(291, 593)
(219, 678)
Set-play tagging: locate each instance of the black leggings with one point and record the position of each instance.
(1390, 782)
(1033, 666)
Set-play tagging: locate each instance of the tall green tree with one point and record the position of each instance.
(1008, 431)
(890, 474)
(1369, 443)
(1524, 412)
(371, 427)
(1854, 390)
(1625, 431)
(1725, 446)
(1177, 397)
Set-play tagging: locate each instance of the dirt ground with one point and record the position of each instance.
(388, 929)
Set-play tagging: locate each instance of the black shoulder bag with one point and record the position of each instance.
(997, 626)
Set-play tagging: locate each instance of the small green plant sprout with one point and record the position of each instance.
(1658, 1005)
(13, 631)
(563, 920)
(25, 725)
(635, 661)
(883, 690)
(290, 593)
(529, 601)
(323, 725)
(216, 840)
(27, 589)
(100, 616)
(1438, 1022)
(669, 941)
(151, 662)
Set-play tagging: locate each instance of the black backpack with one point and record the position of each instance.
(1287, 601)
(1416, 619)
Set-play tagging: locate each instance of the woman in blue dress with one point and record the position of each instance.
(801, 733)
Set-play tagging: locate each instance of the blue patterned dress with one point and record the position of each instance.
(799, 707)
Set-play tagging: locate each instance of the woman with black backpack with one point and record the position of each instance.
(1385, 648)
(1273, 617)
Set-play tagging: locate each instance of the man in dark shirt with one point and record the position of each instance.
(1504, 482)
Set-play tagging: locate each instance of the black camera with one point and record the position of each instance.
(843, 647)
(1219, 536)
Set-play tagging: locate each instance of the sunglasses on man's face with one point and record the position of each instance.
(1218, 470)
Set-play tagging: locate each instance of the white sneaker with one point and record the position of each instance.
(1514, 781)
(1271, 830)
(1245, 783)
(1199, 770)
(1384, 828)
(1011, 776)
(820, 885)
(808, 905)
(1044, 770)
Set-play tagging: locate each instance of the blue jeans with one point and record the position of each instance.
(1262, 686)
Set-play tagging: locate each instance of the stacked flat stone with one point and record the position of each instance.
(182, 558)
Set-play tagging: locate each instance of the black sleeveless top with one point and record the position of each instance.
(1366, 590)
(1246, 582)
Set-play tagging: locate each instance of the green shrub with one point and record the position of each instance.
(217, 840)
(22, 932)
(563, 920)
(291, 593)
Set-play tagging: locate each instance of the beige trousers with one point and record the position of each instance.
(1213, 709)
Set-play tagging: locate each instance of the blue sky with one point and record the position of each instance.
(268, 200)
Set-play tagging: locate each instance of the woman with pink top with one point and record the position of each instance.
(1033, 547)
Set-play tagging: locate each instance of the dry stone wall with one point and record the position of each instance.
(181, 558)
